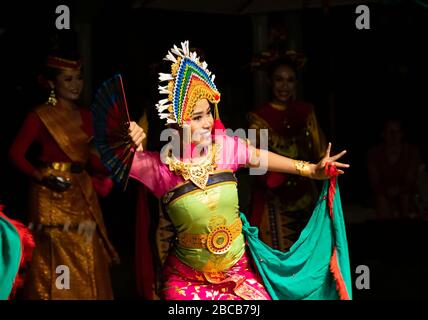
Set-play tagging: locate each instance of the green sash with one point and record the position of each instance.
(10, 255)
(317, 266)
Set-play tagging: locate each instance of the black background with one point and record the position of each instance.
(371, 74)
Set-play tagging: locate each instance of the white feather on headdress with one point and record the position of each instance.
(177, 51)
(165, 77)
(164, 90)
(163, 115)
(185, 48)
(163, 101)
(170, 57)
(162, 108)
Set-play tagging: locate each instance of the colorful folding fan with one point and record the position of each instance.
(111, 122)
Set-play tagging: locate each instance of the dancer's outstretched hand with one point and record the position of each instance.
(320, 172)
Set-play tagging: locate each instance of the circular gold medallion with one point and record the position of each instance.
(219, 240)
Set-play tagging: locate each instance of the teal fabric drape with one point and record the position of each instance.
(317, 266)
(10, 255)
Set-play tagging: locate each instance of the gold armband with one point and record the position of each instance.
(302, 168)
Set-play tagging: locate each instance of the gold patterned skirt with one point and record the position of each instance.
(70, 260)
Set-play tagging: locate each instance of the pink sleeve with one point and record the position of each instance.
(234, 153)
(155, 175)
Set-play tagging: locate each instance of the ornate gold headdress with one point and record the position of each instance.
(189, 81)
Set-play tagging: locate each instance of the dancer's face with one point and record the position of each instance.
(201, 122)
(283, 83)
(68, 84)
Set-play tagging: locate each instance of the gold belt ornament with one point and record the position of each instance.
(61, 166)
(218, 241)
(65, 166)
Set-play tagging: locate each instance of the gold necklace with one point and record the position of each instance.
(278, 106)
(198, 172)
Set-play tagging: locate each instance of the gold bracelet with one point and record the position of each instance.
(302, 168)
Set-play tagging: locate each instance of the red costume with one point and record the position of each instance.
(281, 203)
(33, 130)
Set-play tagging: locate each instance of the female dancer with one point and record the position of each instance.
(282, 203)
(71, 239)
(214, 244)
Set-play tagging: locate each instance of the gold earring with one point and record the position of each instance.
(52, 98)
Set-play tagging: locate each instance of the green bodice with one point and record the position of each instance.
(207, 223)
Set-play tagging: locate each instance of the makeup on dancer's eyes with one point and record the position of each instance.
(198, 115)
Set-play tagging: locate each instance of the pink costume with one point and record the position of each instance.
(190, 273)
